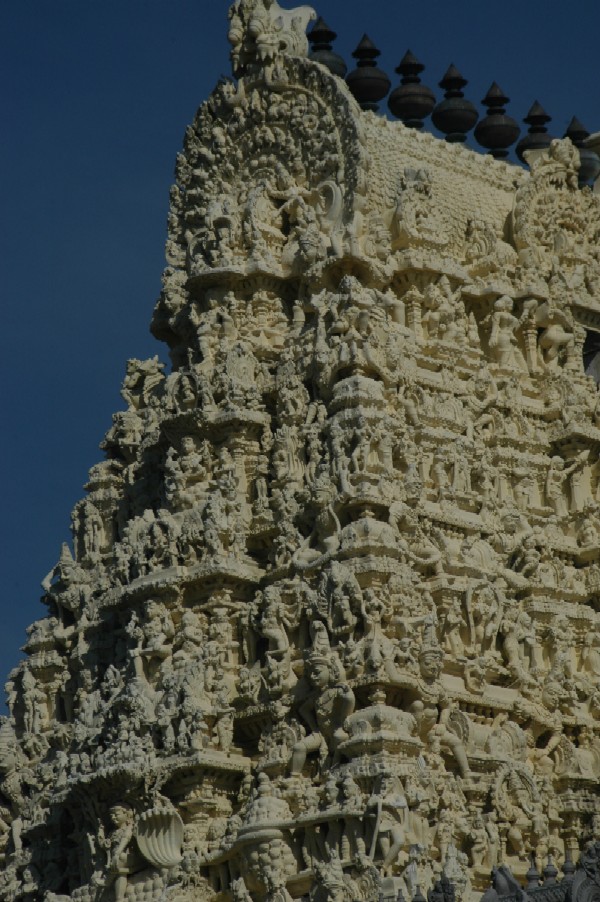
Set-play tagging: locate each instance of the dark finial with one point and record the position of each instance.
(409, 67)
(537, 115)
(411, 102)
(321, 38)
(497, 131)
(366, 52)
(533, 875)
(590, 161)
(368, 83)
(568, 867)
(537, 138)
(448, 889)
(454, 116)
(550, 873)
(418, 896)
(577, 132)
(436, 893)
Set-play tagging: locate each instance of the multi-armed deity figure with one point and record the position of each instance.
(329, 629)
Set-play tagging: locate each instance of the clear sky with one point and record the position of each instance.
(97, 94)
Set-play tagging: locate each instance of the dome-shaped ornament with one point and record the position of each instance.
(537, 138)
(321, 38)
(497, 131)
(411, 102)
(160, 837)
(454, 116)
(367, 83)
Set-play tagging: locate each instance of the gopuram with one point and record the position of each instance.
(330, 625)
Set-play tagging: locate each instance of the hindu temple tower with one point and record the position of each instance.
(329, 626)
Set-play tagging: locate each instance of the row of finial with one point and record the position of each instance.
(444, 891)
(454, 116)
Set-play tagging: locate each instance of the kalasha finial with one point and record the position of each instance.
(321, 38)
(568, 867)
(589, 169)
(497, 131)
(550, 872)
(537, 138)
(454, 116)
(533, 875)
(368, 83)
(577, 132)
(411, 102)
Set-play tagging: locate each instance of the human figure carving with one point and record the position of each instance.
(432, 709)
(389, 809)
(502, 341)
(118, 849)
(329, 701)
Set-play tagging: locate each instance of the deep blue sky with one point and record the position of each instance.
(97, 94)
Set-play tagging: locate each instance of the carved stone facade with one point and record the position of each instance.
(330, 629)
